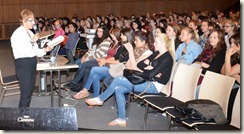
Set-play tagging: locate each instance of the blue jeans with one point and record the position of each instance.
(82, 68)
(96, 74)
(121, 86)
(107, 81)
(78, 62)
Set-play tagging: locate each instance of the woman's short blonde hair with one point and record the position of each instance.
(25, 14)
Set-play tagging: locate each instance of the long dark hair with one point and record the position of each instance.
(129, 34)
(235, 58)
(97, 41)
(116, 33)
(143, 36)
(221, 45)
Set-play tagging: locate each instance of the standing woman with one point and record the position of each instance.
(25, 50)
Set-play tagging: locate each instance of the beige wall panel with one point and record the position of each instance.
(38, 1)
(1, 14)
(62, 10)
(11, 2)
(84, 8)
(11, 13)
(114, 8)
(45, 10)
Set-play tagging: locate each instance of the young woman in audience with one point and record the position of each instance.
(212, 57)
(132, 56)
(163, 24)
(98, 73)
(73, 36)
(159, 30)
(229, 28)
(157, 66)
(232, 64)
(119, 24)
(86, 66)
(136, 25)
(40, 26)
(100, 46)
(153, 24)
(107, 22)
(88, 25)
(112, 24)
(189, 50)
(232, 67)
(173, 32)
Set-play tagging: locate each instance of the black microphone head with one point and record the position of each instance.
(35, 29)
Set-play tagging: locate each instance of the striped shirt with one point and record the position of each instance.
(101, 50)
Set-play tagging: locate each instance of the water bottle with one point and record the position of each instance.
(53, 59)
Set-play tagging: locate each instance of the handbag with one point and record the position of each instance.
(116, 70)
(135, 77)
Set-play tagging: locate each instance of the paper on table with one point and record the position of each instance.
(56, 41)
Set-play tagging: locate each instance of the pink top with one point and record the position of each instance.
(58, 32)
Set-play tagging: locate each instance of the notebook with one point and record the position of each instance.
(56, 118)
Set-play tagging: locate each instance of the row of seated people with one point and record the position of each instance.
(137, 51)
(200, 22)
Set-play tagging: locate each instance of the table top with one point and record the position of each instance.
(60, 65)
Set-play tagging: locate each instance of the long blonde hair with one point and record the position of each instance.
(169, 43)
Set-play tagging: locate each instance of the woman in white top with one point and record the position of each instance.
(25, 50)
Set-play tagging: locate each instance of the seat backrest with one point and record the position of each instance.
(167, 88)
(185, 82)
(236, 113)
(73, 51)
(216, 87)
(1, 77)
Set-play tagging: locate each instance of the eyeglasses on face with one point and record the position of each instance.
(30, 20)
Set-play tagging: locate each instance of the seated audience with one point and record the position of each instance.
(132, 57)
(157, 67)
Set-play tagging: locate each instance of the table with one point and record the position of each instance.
(90, 38)
(59, 66)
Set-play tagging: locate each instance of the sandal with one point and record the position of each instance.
(117, 122)
(81, 95)
(94, 102)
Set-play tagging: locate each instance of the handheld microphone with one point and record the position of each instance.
(36, 30)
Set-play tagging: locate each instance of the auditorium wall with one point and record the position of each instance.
(10, 9)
